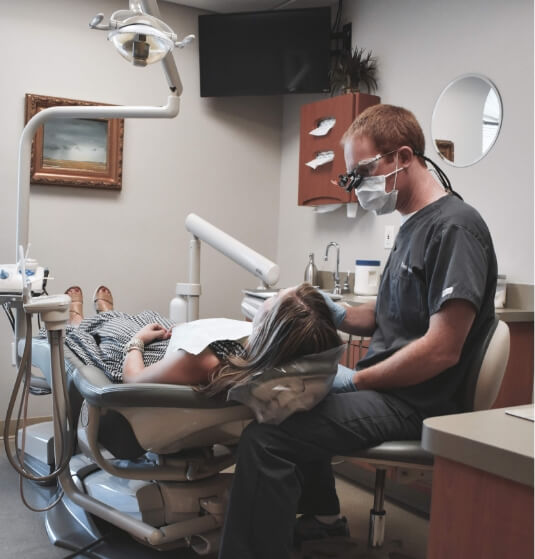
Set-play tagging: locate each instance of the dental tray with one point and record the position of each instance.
(260, 293)
(11, 281)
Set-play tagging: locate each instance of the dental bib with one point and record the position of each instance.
(275, 394)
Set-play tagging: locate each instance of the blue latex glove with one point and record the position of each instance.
(343, 381)
(338, 312)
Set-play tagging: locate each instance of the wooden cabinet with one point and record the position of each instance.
(490, 516)
(355, 350)
(315, 187)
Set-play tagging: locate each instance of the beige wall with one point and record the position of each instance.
(219, 158)
(421, 46)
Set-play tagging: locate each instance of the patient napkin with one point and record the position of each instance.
(322, 158)
(195, 336)
(323, 127)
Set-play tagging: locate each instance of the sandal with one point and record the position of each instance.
(76, 307)
(103, 299)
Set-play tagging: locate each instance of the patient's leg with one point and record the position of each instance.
(103, 299)
(76, 308)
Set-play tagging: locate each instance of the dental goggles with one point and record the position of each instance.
(367, 167)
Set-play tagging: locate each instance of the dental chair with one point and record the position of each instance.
(150, 456)
(149, 461)
(407, 460)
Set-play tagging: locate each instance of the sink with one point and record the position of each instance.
(333, 296)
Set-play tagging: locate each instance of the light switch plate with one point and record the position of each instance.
(389, 236)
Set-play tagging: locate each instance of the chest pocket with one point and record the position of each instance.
(407, 302)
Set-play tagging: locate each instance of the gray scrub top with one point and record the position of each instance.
(443, 252)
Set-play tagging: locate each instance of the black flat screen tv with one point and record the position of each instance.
(265, 53)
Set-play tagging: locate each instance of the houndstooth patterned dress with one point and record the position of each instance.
(99, 340)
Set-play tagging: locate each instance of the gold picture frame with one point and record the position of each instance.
(77, 152)
(446, 149)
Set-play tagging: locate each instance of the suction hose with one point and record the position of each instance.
(66, 434)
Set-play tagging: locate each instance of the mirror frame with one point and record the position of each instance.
(437, 103)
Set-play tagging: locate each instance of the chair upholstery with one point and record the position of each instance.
(482, 386)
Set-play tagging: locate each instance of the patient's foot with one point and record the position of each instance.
(76, 308)
(103, 299)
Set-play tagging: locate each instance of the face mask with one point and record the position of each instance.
(372, 195)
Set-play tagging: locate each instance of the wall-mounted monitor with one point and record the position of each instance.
(265, 53)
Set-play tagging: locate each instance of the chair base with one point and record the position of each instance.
(70, 527)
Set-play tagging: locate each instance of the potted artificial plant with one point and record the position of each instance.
(351, 70)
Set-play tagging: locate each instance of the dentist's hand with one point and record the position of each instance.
(152, 332)
(338, 312)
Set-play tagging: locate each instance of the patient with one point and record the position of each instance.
(131, 348)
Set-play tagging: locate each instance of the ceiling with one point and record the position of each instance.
(227, 6)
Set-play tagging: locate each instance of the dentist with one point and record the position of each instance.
(434, 307)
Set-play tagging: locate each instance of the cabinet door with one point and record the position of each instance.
(315, 187)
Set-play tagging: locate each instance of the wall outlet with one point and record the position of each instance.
(389, 236)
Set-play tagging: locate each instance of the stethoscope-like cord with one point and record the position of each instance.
(66, 443)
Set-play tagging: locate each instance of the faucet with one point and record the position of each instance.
(336, 274)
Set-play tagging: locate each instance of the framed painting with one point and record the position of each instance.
(445, 149)
(76, 151)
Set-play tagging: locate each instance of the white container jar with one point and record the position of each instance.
(501, 292)
(367, 273)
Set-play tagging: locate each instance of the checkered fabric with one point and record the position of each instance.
(99, 340)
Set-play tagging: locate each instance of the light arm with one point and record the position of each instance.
(230, 247)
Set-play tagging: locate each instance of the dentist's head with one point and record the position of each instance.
(383, 151)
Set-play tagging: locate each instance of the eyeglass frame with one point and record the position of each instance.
(352, 179)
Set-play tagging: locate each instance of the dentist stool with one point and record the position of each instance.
(482, 386)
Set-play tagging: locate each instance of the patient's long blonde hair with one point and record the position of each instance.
(299, 323)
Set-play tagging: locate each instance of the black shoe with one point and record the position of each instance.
(307, 527)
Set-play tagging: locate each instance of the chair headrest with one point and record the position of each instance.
(274, 394)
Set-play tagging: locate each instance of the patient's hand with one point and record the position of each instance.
(152, 332)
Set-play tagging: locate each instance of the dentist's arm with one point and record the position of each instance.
(358, 320)
(433, 353)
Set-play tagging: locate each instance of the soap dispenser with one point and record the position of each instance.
(311, 272)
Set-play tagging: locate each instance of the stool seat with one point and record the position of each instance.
(406, 452)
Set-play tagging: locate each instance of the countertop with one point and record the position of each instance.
(490, 440)
(506, 314)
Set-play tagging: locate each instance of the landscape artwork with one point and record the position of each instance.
(80, 152)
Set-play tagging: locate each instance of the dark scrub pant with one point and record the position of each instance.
(285, 469)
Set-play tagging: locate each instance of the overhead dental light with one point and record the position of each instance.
(138, 36)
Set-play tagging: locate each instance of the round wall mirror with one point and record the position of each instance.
(466, 120)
